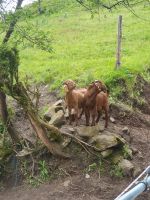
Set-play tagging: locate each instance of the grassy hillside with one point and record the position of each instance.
(84, 48)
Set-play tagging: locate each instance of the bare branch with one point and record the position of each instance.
(13, 23)
(110, 5)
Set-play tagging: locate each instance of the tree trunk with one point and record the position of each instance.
(54, 148)
(3, 106)
(21, 95)
(5, 119)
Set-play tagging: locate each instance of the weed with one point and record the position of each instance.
(41, 177)
(116, 171)
(43, 170)
(101, 167)
(127, 152)
(92, 167)
(2, 128)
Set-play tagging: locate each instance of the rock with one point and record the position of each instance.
(66, 114)
(106, 153)
(58, 103)
(49, 113)
(66, 183)
(127, 167)
(137, 172)
(125, 130)
(47, 116)
(104, 141)
(127, 138)
(116, 157)
(66, 141)
(140, 156)
(112, 120)
(67, 129)
(58, 119)
(134, 150)
(88, 131)
(126, 134)
(102, 129)
(57, 106)
(71, 130)
(129, 152)
(87, 176)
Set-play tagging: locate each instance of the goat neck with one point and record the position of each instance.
(90, 96)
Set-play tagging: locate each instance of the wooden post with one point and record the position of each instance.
(39, 7)
(119, 37)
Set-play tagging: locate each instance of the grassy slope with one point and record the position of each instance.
(84, 48)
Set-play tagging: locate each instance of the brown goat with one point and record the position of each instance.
(96, 100)
(74, 99)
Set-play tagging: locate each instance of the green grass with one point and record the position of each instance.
(85, 49)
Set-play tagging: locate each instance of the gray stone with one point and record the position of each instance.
(104, 141)
(88, 131)
(126, 135)
(49, 113)
(134, 150)
(140, 156)
(67, 183)
(127, 167)
(106, 153)
(117, 157)
(58, 119)
(137, 172)
(57, 106)
(67, 129)
(66, 114)
(58, 103)
(71, 130)
(66, 141)
(125, 130)
(112, 120)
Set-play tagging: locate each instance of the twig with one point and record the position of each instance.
(33, 165)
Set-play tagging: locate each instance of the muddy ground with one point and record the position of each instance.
(71, 182)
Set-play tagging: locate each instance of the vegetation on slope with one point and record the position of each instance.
(84, 48)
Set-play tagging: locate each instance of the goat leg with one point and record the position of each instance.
(87, 116)
(93, 117)
(98, 116)
(106, 116)
(76, 116)
(70, 116)
(82, 111)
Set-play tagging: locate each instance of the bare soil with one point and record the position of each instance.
(70, 182)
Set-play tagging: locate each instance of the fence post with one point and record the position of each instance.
(119, 38)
